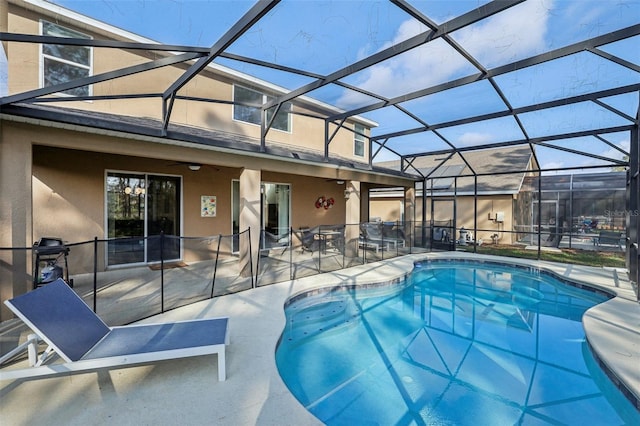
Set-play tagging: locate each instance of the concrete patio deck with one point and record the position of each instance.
(187, 392)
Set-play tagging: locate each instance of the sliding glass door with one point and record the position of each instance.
(139, 208)
(125, 218)
(276, 214)
(276, 208)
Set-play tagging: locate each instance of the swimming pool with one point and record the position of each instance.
(457, 342)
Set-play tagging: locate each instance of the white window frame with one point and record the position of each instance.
(359, 139)
(265, 99)
(43, 56)
(289, 201)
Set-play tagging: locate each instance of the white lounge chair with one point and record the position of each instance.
(371, 237)
(395, 234)
(61, 319)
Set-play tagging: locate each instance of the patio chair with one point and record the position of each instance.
(393, 233)
(612, 238)
(308, 239)
(77, 335)
(371, 237)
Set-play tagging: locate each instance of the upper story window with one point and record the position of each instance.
(243, 97)
(358, 140)
(64, 63)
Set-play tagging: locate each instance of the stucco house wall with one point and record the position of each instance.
(387, 209)
(486, 225)
(24, 74)
(55, 156)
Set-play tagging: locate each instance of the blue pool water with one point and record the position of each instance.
(454, 344)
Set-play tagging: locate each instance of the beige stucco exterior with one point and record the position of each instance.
(485, 223)
(53, 173)
(214, 83)
(69, 169)
(388, 209)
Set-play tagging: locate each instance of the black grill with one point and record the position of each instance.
(48, 251)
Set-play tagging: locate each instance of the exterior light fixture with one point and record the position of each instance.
(194, 167)
(340, 182)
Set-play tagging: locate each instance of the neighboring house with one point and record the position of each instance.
(451, 190)
(102, 160)
(510, 207)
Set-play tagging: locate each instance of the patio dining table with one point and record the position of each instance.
(330, 239)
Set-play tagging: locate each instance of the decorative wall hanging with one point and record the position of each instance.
(208, 206)
(326, 203)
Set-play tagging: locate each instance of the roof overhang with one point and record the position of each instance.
(141, 129)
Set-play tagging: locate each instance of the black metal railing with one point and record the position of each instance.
(128, 279)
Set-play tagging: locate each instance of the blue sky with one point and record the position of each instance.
(324, 36)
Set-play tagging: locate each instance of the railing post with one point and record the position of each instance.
(364, 247)
(539, 214)
(380, 232)
(215, 267)
(95, 274)
(320, 249)
(344, 245)
(161, 271)
(290, 253)
(253, 285)
(411, 235)
(261, 244)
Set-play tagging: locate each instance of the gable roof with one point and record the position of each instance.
(499, 170)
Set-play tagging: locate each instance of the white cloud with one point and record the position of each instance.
(552, 159)
(472, 138)
(614, 153)
(553, 165)
(515, 33)
(587, 14)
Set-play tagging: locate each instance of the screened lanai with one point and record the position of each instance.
(441, 79)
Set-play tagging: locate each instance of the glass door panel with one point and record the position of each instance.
(139, 208)
(125, 218)
(163, 217)
(276, 206)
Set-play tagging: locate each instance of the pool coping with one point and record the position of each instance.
(187, 392)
